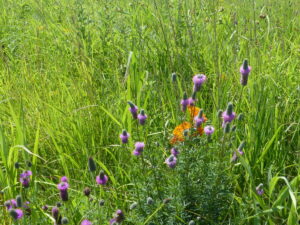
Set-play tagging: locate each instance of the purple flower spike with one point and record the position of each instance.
(102, 178)
(55, 213)
(9, 204)
(171, 161)
(119, 217)
(259, 189)
(184, 102)
(228, 115)
(25, 178)
(245, 70)
(174, 151)
(86, 222)
(64, 179)
(198, 80)
(124, 136)
(133, 109)
(16, 213)
(142, 117)
(139, 148)
(63, 188)
(209, 130)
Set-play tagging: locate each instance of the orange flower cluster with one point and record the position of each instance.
(179, 130)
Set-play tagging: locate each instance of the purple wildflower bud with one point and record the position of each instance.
(199, 119)
(259, 189)
(16, 213)
(86, 222)
(102, 178)
(124, 136)
(209, 130)
(193, 99)
(45, 208)
(171, 161)
(64, 179)
(64, 220)
(219, 113)
(25, 178)
(228, 115)
(9, 204)
(119, 216)
(184, 102)
(63, 188)
(133, 109)
(91, 165)
(17, 165)
(198, 80)
(19, 201)
(139, 148)
(142, 117)
(245, 70)
(101, 202)
(55, 213)
(174, 151)
(226, 127)
(87, 191)
(174, 77)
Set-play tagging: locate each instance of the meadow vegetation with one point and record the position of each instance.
(67, 72)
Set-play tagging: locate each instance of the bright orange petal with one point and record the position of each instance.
(193, 110)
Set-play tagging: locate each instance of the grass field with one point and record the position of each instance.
(68, 70)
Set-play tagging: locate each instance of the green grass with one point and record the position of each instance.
(68, 68)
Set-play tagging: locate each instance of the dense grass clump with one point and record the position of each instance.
(149, 112)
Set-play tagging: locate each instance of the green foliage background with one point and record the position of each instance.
(68, 68)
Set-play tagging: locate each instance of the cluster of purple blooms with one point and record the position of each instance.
(11, 207)
(198, 81)
(25, 178)
(63, 188)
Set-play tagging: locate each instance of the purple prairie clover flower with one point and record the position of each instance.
(55, 213)
(209, 130)
(174, 151)
(25, 178)
(228, 115)
(193, 99)
(16, 213)
(124, 136)
(198, 80)
(9, 204)
(63, 188)
(245, 70)
(64, 179)
(171, 161)
(142, 117)
(184, 102)
(259, 189)
(139, 148)
(119, 217)
(133, 109)
(86, 222)
(102, 178)
(199, 119)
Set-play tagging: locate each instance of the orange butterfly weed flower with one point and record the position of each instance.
(178, 132)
